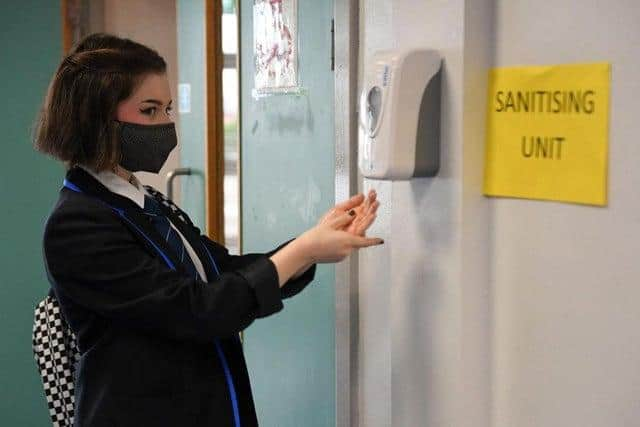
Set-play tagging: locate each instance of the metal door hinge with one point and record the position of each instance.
(333, 45)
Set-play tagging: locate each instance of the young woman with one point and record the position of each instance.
(155, 305)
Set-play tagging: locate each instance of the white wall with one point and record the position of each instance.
(424, 314)
(501, 312)
(567, 294)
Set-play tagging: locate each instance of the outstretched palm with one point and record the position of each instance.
(364, 210)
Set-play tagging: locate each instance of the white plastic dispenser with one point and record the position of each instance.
(400, 115)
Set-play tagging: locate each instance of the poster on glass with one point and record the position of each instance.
(275, 47)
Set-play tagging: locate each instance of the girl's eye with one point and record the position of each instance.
(169, 110)
(149, 111)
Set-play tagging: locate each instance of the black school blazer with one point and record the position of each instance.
(157, 348)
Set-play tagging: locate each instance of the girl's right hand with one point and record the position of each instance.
(327, 242)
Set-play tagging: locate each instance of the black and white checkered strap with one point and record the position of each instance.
(56, 353)
(54, 344)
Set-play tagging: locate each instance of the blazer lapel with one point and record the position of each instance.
(135, 218)
(195, 241)
(143, 221)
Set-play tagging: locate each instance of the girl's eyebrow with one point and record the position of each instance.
(155, 101)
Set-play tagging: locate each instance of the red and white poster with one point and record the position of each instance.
(275, 46)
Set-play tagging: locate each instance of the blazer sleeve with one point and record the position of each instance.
(96, 262)
(232, 262)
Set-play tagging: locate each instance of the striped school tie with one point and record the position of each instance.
(163, 225)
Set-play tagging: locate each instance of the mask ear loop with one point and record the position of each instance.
(132, 179)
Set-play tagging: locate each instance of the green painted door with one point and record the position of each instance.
(287, 172)
(30, 50)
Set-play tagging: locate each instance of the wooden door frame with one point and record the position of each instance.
(67, 37)
(214, 134)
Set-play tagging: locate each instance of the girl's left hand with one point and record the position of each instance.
(364, 210)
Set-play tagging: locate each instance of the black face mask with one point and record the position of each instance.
(146, 147)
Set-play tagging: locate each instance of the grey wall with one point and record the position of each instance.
(30, 50)
(424, 312)
(501, 312)
(567, 348)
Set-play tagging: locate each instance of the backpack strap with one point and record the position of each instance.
(56, 353)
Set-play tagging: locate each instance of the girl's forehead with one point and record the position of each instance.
(152, 86)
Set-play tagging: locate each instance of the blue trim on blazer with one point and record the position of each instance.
(227, 372)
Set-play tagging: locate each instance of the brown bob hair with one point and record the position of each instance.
(77, 121)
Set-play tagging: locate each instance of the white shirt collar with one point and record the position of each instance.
(118, 185)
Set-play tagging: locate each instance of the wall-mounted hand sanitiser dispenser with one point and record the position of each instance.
(400, 115)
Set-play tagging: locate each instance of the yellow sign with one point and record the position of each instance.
(547, 133)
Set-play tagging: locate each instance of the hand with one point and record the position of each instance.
(365, 215)
(329, 242)
(364, 212)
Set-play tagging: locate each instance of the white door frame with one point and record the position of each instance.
(346, 184)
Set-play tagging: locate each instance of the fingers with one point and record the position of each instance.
(364, 221)
(351, 203)
(369, 206)
(357, 200)
(367, 203)
(371, 198)
(373, 207)
(364, 224)
(329, 215)
(363, 242)
(342, 220)
(364, 213)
